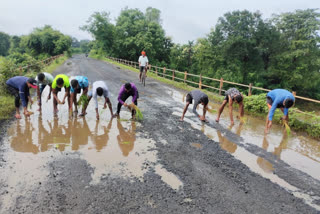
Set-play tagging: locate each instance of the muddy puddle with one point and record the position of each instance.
(298, 151)
(110, 146)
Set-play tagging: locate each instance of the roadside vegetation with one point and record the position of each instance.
(20, 51)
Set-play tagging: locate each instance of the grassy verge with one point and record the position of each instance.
(255, 105)
(7, 101)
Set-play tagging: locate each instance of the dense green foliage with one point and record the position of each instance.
(133, 32)
(282, 52)
(19, 51)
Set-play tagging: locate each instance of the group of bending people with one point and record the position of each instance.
(277, 98)
(19, 87)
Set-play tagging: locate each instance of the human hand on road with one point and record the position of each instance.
(105, 106)
(125, 104)
(202, 118)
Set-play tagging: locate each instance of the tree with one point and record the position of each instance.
(4, 44)
(153, 15)
(100, 27)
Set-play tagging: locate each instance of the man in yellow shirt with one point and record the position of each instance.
(60, 81)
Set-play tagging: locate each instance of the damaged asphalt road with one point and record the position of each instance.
(158, 165)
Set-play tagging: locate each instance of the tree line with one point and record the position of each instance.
(40, 44)
(280, 52)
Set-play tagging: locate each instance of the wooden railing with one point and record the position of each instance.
(172, 74)
(46, 62)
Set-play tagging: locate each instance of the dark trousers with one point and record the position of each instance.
(124, 97)
(15, 92)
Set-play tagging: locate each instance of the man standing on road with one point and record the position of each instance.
(198, 97)
(278, 98)
(143, 63)
(232, 95)
(60, 81)
(77, 83)
(99, 88)
(127, 90)
(19, 87)
(43, 79)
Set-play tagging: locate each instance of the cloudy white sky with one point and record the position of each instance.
(182, 20)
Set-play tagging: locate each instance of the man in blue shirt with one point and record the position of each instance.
(278, 98)
(19, 86)
(77, 83)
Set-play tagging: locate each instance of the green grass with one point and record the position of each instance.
(6, 106)
(53, 66)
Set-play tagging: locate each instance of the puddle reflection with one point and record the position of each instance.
(126, 138)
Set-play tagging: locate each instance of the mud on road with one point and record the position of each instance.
(158, 165)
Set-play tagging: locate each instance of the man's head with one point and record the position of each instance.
(143, 53)
(32, 83)
(60, 82)
(204, 101)
(288, 102)
(127, 86)
(41, 77)
(238, 98)
(99, 91)
(74, 83)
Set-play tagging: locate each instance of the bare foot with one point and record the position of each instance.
(217, 120)
(18, 116)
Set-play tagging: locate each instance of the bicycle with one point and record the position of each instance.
(144, 76)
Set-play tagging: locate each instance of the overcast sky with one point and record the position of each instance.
(182, 20)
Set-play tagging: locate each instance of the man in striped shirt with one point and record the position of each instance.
(232, 95)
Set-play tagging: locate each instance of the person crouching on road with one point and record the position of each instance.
(127, 90)
(77, 83)
(143, 63)
(198, 97)
(99, 88)
(60, 81)
(43, 79)
(232, 95)
(278, 98)
(18, 86)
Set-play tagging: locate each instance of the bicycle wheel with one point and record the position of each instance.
(144, 79)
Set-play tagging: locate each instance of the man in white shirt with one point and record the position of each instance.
(99, 88)
(143, 63)
(43, 79)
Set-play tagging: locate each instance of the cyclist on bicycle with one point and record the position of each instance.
(143, 63)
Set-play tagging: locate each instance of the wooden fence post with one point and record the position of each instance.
(20, 71)
(164, 71)
(221, 84)
(173, 75)
(157, 71)
(250, 89)
(185, 76)
(200, 81)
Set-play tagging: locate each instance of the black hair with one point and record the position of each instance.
(60, 81)
(74, 83)
(288, 103)
(127, 86)
(41, 77)
(238, 98)
(99, 91)
(204, 100)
